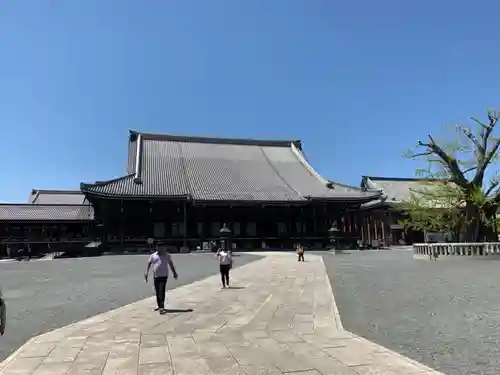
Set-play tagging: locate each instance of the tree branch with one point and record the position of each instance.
(469, 170)
(491, 188)
(449, 161)
(468, 133)
(488, 156)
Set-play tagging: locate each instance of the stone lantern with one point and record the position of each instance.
(333, 233)
(225, 235)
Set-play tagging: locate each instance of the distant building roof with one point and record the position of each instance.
(221, 169)
(46, 212)
(39, 196)
(394, 189)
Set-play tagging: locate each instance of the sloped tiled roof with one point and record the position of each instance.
(46, 212)
(393, 189)
(39, 196)
(215, 169)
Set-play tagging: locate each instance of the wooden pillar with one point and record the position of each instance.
(315, 223)
(382, 223)
(184, 241)
(122, 219)
(362, 228)
(368, 229)
(390, 230)
(151, 232)
(104, 224)
(301, 222)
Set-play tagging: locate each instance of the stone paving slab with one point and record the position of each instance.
(280, 317)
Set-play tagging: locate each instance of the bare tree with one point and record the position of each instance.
(465, 163)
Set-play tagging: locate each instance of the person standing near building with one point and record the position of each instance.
(3, 314)
(225, 265)
(300, 252)
(160, 261)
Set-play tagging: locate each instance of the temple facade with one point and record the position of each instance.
(182, 191)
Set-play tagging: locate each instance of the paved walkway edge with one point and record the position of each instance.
(376, 347)
(358, 354)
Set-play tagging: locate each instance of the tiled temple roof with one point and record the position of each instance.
(219, 169)
(40, 196)
(394, 189)
(46, 212)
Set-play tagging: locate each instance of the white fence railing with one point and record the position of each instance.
(457, 249)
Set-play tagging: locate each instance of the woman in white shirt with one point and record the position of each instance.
(225, 263)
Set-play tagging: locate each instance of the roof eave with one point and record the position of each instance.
(90, 193)
(359, 199)
(249, 201)
(133, 134)
(40, 221)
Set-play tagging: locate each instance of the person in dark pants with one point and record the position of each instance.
(225, 265)
(160, 261)
(300, 252)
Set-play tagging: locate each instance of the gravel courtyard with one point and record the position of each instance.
(445, 314)
(45, 295)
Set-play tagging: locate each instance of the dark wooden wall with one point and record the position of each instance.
(132, 222)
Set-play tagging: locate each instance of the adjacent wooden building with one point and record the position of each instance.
(181, 191)
(52, 220)
(380, 218)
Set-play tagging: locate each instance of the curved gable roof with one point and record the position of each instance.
(221, 169)
(40, 196)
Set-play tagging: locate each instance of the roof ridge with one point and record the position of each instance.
(100, 183)
(279, 174)
(345, 185)
(55, 191)
(302, 159)
(399, 178)
(216, 140)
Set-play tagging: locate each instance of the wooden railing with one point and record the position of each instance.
(434, 250)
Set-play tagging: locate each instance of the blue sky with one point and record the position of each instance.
(357, 81)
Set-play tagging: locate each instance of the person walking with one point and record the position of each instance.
(160, 261)
(225, 265)
(300, 252)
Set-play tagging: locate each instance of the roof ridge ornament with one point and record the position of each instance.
(214, 140)
(138, 160)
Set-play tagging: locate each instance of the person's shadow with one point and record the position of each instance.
(176, 311)
(236, 287)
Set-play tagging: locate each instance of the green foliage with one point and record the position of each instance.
(455, 196)
(435, 207)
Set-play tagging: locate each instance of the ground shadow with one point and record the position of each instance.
(236, 287)
(175, 311)
(341, 252)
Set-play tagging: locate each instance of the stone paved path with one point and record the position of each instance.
(279, 318)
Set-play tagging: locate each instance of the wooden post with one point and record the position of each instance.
(151, 231)
(301, 221)
(361, 226)
(368, 229)
(382, 222)
(315, 224)
(104, 229)
(390, 227)
(122, 240)
(184, 242)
